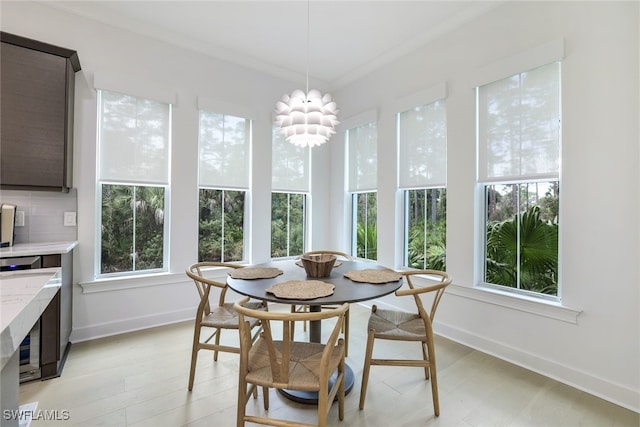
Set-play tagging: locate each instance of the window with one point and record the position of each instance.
(223, 182)
(290, 183)
(363, 169)
(134, 138)
(422, 141)
(518, 172)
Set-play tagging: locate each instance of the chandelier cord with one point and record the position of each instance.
(308, 20)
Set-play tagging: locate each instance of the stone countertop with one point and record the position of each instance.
(31, 249)
(24, 295)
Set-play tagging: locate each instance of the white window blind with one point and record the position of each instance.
(363, 157)
(422, 137)
(224, 151)
(134, 137)
(290, 165)
(519, 126)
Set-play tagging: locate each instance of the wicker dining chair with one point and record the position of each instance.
(277, 361)
(405, 326)
(212, 319)
(345, 324)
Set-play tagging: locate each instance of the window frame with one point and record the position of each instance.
(354, 186)
(544, 55)
(433, 96)
(100, 182)
(207, 108)
(305, 199)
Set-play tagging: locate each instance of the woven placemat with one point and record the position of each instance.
(301, 289)
(255, 273)
(376, 276)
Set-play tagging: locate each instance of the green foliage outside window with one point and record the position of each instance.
(522, 236)
(221, 225)
(366, 225)
(287, 224)
(132, 228)
(427, 223)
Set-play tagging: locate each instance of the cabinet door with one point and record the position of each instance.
(33, 117)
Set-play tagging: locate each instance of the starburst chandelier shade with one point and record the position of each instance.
(306, 119)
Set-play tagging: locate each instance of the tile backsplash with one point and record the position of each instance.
(43, 215)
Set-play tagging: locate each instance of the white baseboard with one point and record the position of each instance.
(107, 329)
(600, 387)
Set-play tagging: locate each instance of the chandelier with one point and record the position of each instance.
(306, 118)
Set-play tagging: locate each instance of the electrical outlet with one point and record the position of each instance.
(19, 220)
(69, 219)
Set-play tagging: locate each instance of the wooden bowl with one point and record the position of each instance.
(318, 265)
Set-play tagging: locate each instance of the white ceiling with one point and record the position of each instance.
(347, 39)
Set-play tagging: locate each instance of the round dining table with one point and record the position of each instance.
(345, 291)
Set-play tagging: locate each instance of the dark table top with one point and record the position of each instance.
(345, 289)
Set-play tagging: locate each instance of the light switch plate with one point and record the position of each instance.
(69, 219)
(19, 220)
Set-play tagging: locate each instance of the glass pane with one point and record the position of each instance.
(132, 221)
(366, 225)
(287, 224)
(149, 227)
(221, 225)
(426, 228)
(116, 243)
(233, 226)
(522, 236)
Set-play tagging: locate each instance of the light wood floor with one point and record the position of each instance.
(140, 379)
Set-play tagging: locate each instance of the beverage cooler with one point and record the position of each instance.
(30, 346)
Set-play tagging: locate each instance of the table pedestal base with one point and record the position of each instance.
(311, 397)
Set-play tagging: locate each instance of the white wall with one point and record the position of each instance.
(598, 352)
(147, 67)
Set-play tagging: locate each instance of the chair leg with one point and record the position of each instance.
(345, 331)
(265, 397)
(434, 377)
(304, 324)
(215, 352)
(425, 357)
(367, 367)
(293, 324)
(194, 355)
(242, 403)
(341, 391)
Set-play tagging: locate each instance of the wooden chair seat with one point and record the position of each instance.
(304, 364)
(396, 325)
(225, 316)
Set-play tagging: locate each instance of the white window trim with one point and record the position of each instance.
(423, 97)
(111, 284)
(139, 88)
(512, 300)
(526, 60)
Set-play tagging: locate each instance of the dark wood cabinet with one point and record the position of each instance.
(36, 114)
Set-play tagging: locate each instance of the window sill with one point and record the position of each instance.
(131, 282)
(553, 310)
